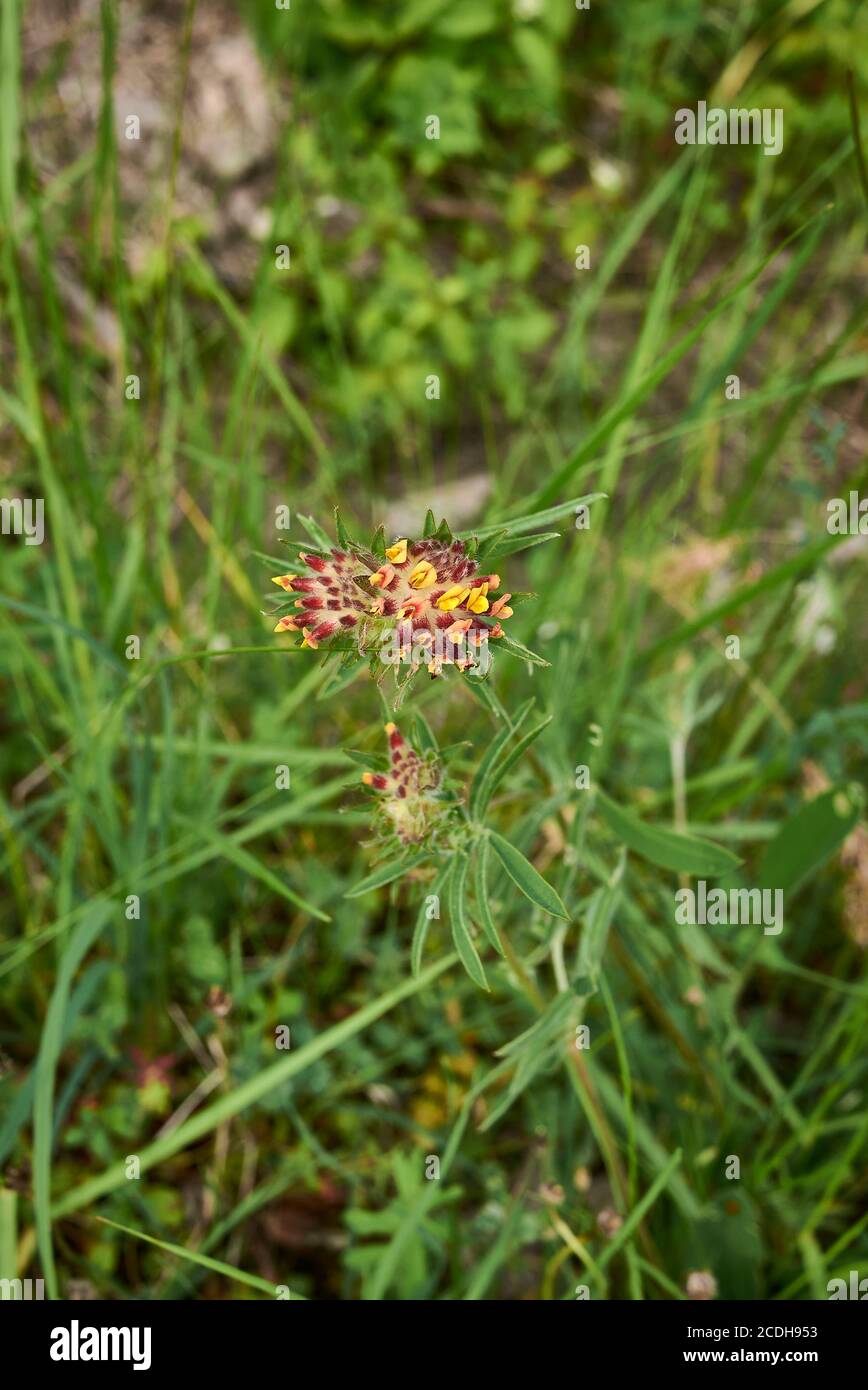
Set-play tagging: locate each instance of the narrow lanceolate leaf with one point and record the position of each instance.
(503, 544)
(82, 939)
(8, 1233)
(598, 917)
(345, 540)
(249, 864)
(483, 906)
(374, 762)
(460, 925)
(518, 525)
(809, 838)
(387, 873)
(193, 1257)
(526, 878)
(438, 889)
(508, 756)
(315, 531)
(508, 644)
(682, 853)
(492, 756)
(424, 736)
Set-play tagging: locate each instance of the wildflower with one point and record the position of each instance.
(410, 799)
(425, 598)
(385, 576)
(551, 1193)
(476, 599)
(423, 575)
(219, 1002)
(152, 1080)
(609, 1222)
(701, 1285)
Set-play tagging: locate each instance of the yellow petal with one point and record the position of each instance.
(423, 575)
(477, 602)
(284, 580)
(452, 598)
(397, 553)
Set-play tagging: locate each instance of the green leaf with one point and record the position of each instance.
(460, 926)
(498, 759)
(468, 19)
(509, 644)
(598, 918)
(8, 1233)
(344, 539)
(378, 543)
(375, 762)
(423, 735)
(315, 531)
(387, 873)
(83, 937)
(305, 546)
(518, 525)
(430, 524)
(539, 57)
(493, 752)
(526, 878)
(509, 759)
(423, 922)
(484, 691)
(252, 865)
(681, 853)
(481, 888)
(639, 1210)
(809, 837)
(496, 548)
(216, 1266)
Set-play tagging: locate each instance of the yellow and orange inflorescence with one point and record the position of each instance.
(427, 594)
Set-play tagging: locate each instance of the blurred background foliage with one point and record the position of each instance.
(306, 387)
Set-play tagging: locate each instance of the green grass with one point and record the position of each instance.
(147, 854)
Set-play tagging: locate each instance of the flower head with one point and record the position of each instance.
(410, 798)
(425, 602)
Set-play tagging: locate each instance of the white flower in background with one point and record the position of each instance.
(606, 175)
(814, 626)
